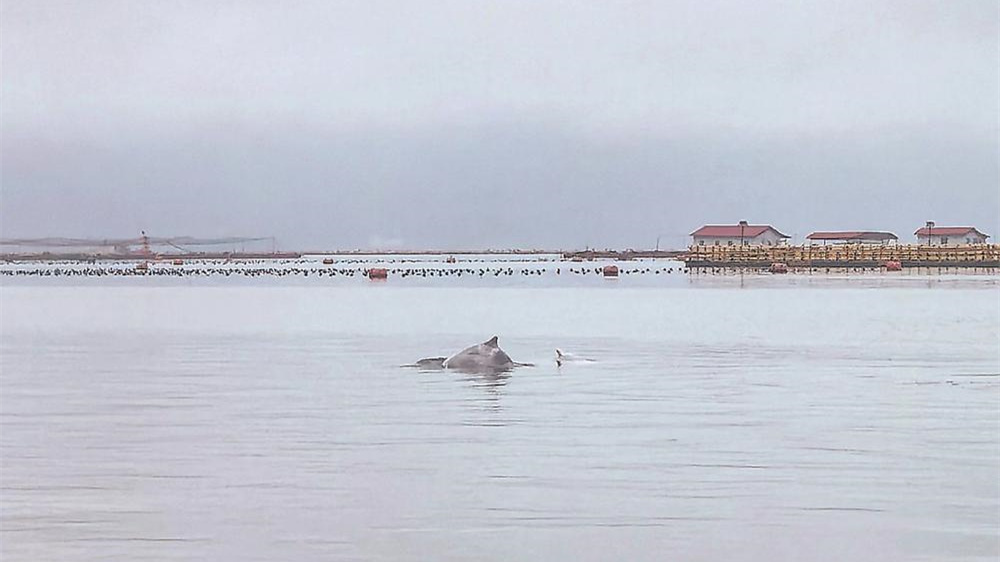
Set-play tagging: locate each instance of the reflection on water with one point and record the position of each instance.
(263, 423)
(490, 387)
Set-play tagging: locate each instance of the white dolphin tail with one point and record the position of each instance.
(431, 363)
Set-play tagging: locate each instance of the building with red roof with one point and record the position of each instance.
(738, 234)
(949, 235)
(853, 237)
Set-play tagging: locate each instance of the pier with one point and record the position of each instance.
(844, 256)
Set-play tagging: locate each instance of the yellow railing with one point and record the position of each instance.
(846, 253)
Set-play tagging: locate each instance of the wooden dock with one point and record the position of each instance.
(845, 255)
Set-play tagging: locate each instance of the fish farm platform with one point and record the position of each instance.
(843, 255)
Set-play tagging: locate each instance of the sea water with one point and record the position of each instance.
(821, 416)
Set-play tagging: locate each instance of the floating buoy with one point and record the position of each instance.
(778, 267)
(893, 265)
(178, 262)
(142, 266)
(611, 270)
(378, 273)
(328, 261)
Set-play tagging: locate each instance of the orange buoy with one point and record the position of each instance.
(378, 273)
(778, 267)
(328, 261)
(611, 270)
(893, 265)
(178, 262)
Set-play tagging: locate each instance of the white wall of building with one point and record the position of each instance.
(849, 242)
(766, 238)
(939, 240)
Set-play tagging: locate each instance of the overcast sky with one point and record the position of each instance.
(462, 123)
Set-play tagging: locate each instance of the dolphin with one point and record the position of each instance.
(567, 357)
(486, 357)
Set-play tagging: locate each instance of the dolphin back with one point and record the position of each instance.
(486, 356)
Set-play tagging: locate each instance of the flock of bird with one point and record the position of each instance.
(167, 270)
(366, 269)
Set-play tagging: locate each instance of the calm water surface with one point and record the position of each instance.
(793, 418)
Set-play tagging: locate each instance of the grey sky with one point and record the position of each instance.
(470, 124)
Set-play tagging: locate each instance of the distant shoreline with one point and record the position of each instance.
(584, 254)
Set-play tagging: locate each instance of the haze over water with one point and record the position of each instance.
(824, 417)
(259, 411)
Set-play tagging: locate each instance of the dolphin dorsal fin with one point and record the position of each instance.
(492, 342)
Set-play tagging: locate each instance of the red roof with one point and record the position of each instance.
(852, 235)
(949, 231)
(733, 231)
